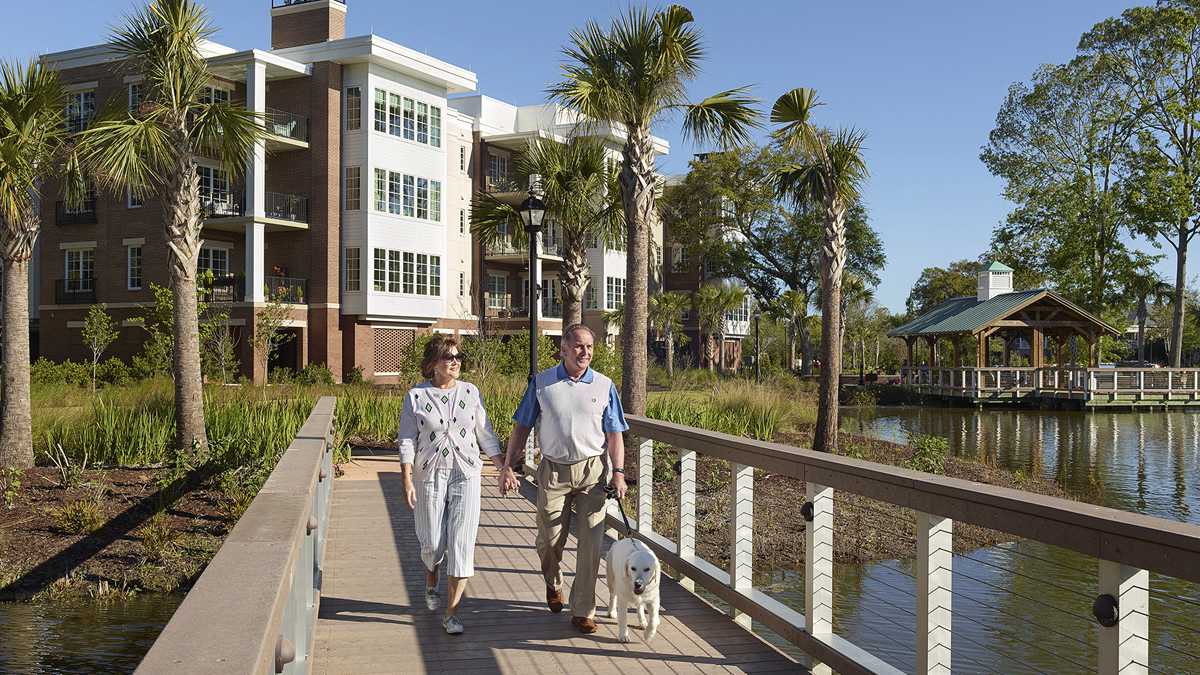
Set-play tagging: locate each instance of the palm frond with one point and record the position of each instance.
(725, 119)
(233, 130)
(126, 151)
(794, 111)
(494, 221)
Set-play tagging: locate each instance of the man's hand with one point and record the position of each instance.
(508, 481)
(618, 483)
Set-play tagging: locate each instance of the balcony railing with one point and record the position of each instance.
(85, 214)
(223, 289)
(549, 247)
(75, 291)
(287, 289)
(286, 124)
(287, 207)
(222, 204)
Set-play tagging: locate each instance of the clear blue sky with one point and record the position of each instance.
(924, 78)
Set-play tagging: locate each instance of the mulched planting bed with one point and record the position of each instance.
(41, 561)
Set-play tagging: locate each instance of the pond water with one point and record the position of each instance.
(1025, 607)
(84, 637)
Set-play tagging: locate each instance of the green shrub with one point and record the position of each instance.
(355, 376)
(929, 453)
(45, 371)
(114, 372)
(281, 376)
(159, 539)
(859, 397)
(79, 517)
(234, 503)
(315, 373)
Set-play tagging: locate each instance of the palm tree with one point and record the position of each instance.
(715, 302)
(1143, 288)
(632, 75)
(33, 141)
(832, 177)
(854, 293)
(708, 311)
(154, 148)
(792, 306)
(665, 312)
(579, 188)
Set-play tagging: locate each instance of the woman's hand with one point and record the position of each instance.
(410, 493)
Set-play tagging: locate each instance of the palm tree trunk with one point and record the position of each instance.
(182, 222)
(806, 347)
(833, 259)
(791, 335)
(721, 351)
(637, 195)
(709, 347)
(670, 353)
(16, 415)
(573, 278)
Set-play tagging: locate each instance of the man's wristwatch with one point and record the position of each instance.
(618, 470)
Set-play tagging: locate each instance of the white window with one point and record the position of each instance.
(435, 127)
(353, 270)
(497, 291)
(353, 189)
(80, 270)
(394, 108)
(423, 198)
(81, 106)
(410, 119)
(214, 184)
(394, 272)
(435, 201)
(462, 221)
(679, 258)
(136, 98)
(215, 259)
(497, 169)
(132, 200)
(591, 240)
(394, 193)
(410, 196)
(133, 267)
(381, 179)
(381, 111)
(462, 284)
(615, 295)
(591, 295)
(380, 270)
(211, 94)
(353, 108)
(658, 255)
(462, 159)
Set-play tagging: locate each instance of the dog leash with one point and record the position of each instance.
(612, 494)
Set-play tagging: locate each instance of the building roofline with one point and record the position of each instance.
(103, 53)
(384, 52)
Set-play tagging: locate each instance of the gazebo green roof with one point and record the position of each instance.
(968, 315)
(997, 267)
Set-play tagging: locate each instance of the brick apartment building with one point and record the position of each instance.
(356, 211)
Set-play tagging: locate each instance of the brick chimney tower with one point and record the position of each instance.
(306, 22)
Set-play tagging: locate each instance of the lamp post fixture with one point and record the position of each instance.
(532, 211)
(757, 350)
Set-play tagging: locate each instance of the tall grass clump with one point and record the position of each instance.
(369, 416)
(501, 396)
(736, 407)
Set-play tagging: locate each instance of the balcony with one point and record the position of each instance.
(287, 289)
(75, 291)
(286, 207)
(222, 204)
(226, 289)
(85, 214)
(506, 252)
(288, 130)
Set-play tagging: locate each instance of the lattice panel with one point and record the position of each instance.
(390, 344)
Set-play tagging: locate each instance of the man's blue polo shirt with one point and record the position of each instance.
(530, 408)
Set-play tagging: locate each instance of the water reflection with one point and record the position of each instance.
(1133, 461)
(87, 637)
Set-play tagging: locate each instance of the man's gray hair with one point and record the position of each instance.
(575, 328)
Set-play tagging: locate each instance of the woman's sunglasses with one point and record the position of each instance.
(450, 358)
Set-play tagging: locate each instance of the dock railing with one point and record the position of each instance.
(254, 609)
(1127, 546)
(1088, 383)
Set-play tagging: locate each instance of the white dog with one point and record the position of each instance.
(633, 573)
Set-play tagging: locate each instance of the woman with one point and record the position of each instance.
(443, 427)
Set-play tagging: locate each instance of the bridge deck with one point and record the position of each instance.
(373, 619)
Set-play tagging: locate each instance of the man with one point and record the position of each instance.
(582, 421)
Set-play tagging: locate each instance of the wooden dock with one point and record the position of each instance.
(372, 616)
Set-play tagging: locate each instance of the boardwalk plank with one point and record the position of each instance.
(373, 618)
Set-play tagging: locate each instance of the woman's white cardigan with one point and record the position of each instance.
(445, 427)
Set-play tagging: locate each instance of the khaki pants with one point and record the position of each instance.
(560, 485)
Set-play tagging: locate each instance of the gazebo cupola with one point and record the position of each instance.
(995, 279)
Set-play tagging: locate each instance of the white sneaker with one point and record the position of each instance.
(452, 625)
(432, 601)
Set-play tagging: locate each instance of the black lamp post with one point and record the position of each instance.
(532, 211)
(757, 349)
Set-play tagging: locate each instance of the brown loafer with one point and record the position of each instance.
(583, 624)
(554, 599)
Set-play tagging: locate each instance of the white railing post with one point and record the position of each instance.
(741, 534)
(935, 552)
(1125, 647)
(530, 448)
(686, 516)
(645, 493)
(818, 569)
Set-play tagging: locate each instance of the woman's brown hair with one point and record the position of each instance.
(438, 346)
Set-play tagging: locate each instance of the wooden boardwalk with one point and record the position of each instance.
(373, 619)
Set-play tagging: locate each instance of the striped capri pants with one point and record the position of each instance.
(447, 518)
